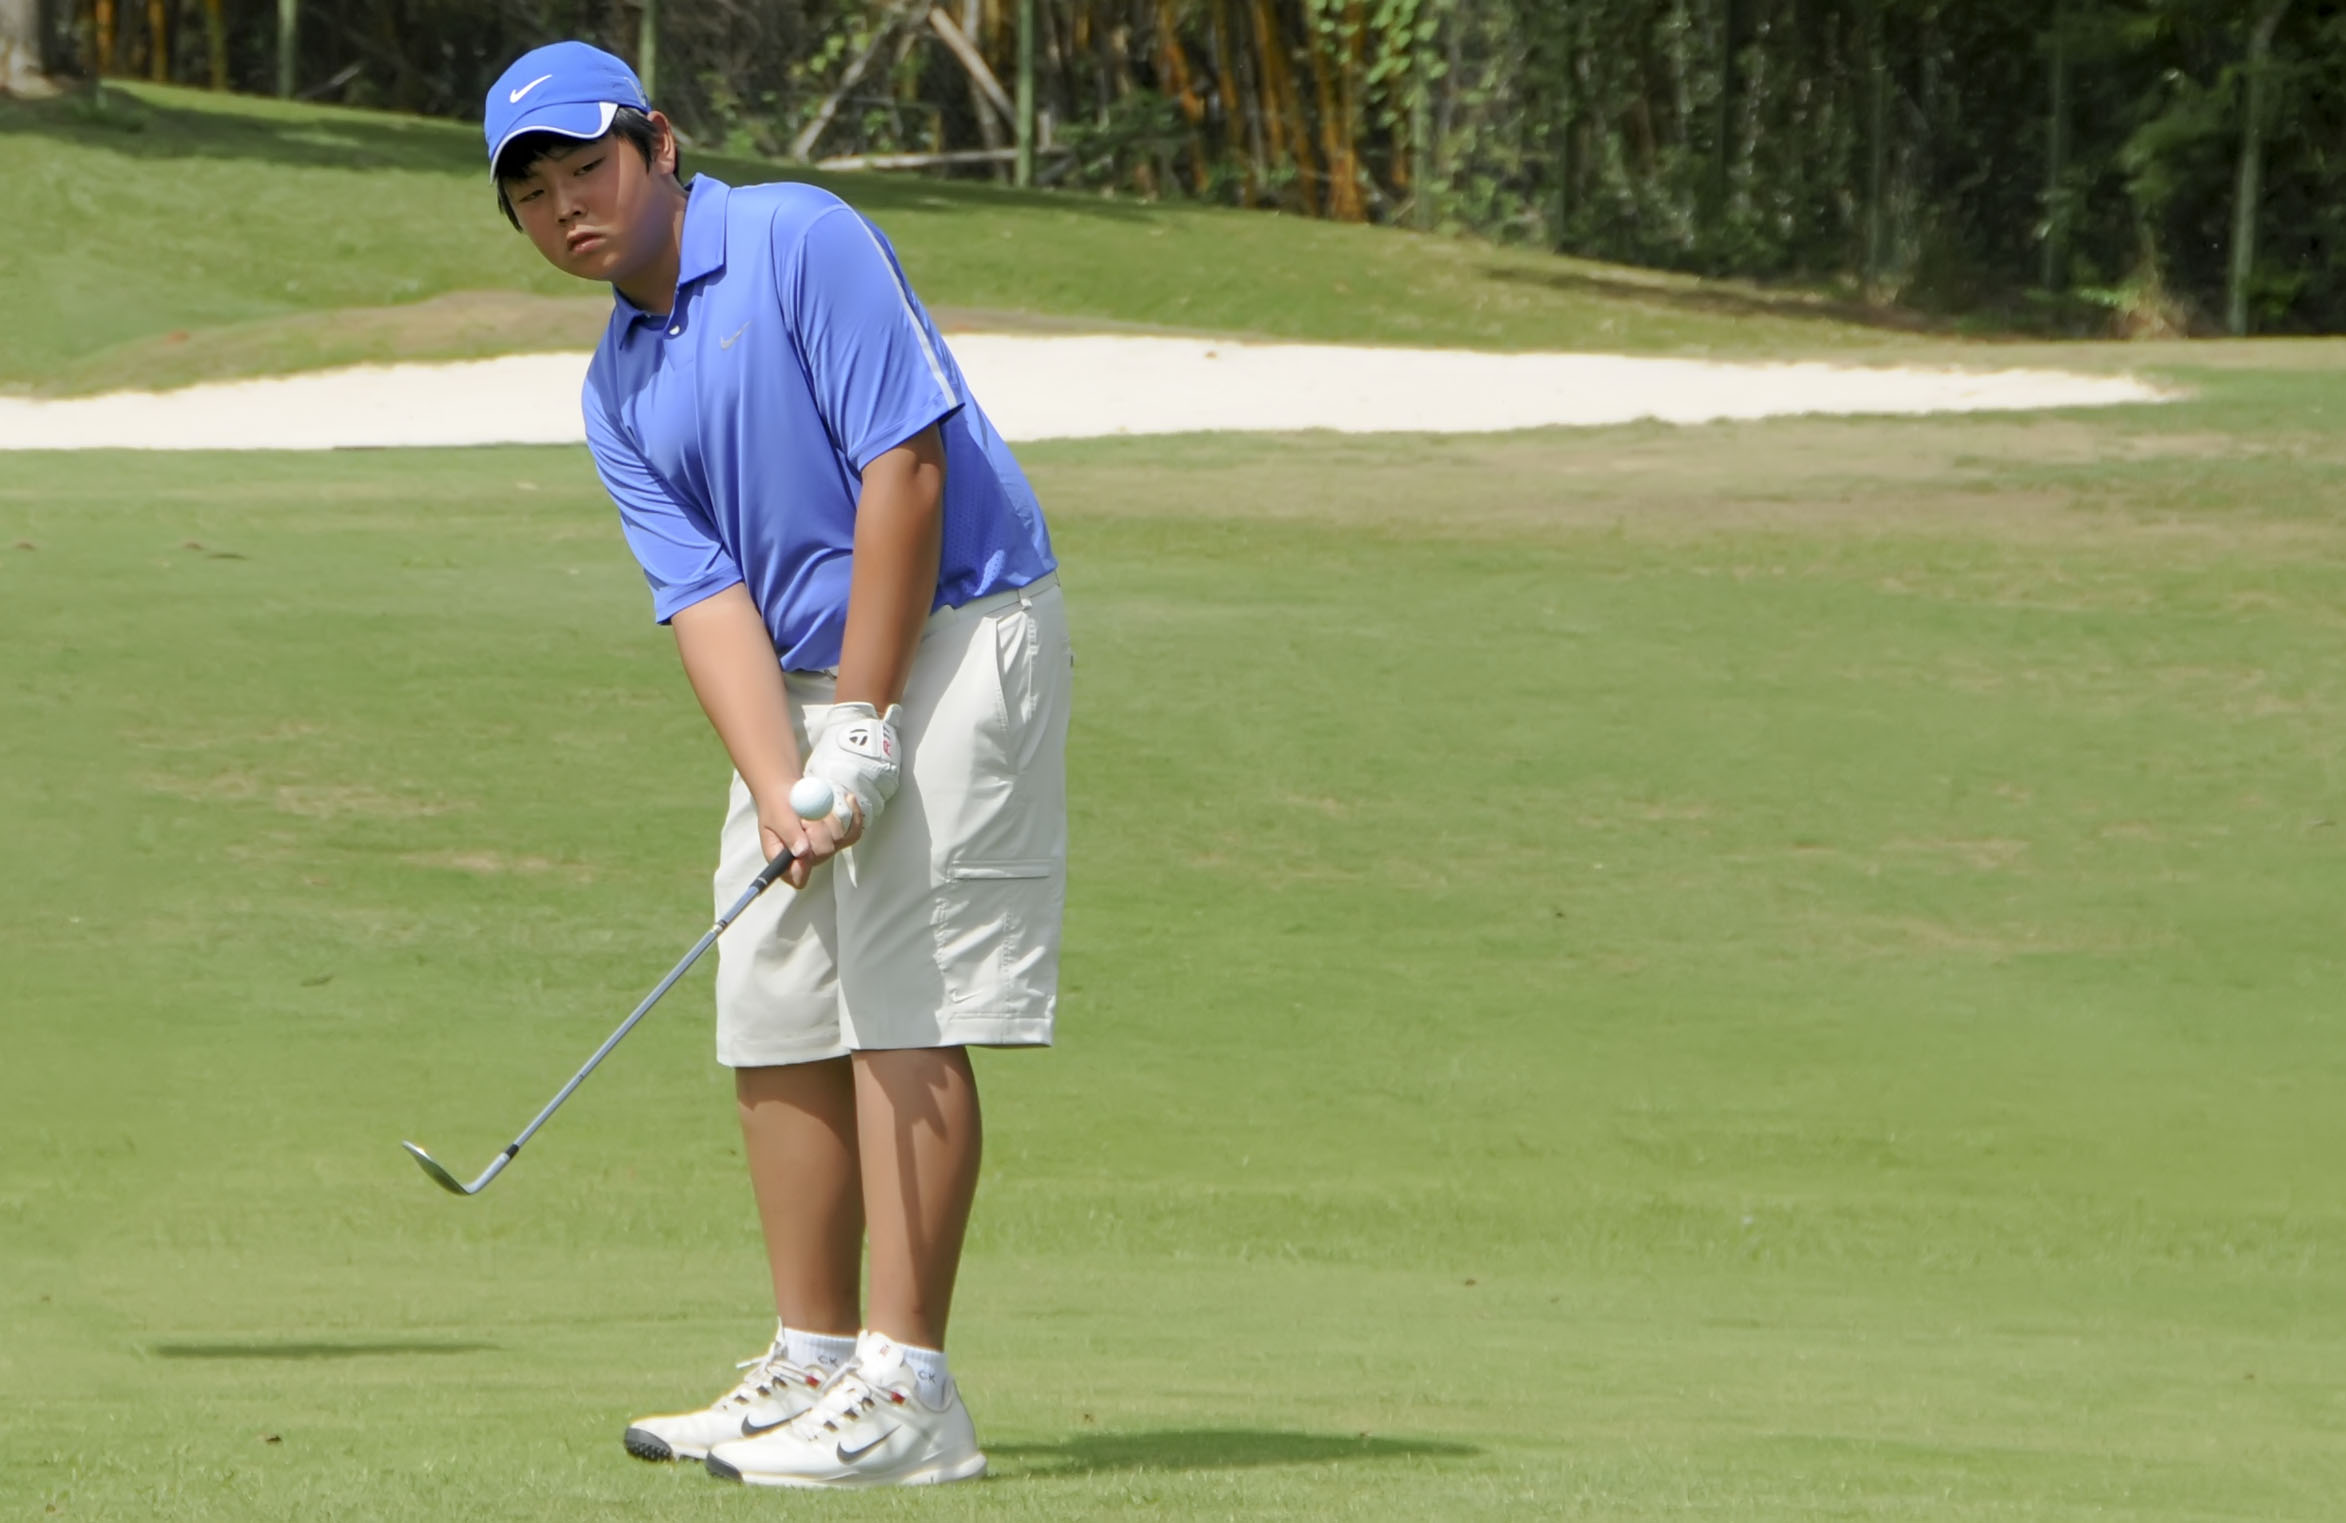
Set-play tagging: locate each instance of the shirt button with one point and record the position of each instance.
(673, 332)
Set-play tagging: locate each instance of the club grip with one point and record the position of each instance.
(771, 871)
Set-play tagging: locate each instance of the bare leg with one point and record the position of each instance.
(798, 1128)
(919, 1132)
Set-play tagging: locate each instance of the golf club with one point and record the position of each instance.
(810, 799)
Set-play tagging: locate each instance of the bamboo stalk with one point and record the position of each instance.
(943, 160)
(1343, 181)
(288, 31)
(2056, 249)
(1175, 63)
(1271, 109)
(987, 88)
(1283, 105)
(808, 135)
(1226, 87)
(2249, 187)
(1421, 130)
(647, 49)
(1024, 171)
(1877, 132)
(216, 43)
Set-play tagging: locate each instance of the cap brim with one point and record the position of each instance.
(578, 119)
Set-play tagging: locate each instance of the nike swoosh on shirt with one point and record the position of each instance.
(513, 97)
(727, 343)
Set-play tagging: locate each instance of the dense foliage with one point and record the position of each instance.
(2085, 161)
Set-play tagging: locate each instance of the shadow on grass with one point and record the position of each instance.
(1210, 1449)
(261, 1348)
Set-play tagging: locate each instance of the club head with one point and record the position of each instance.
(440, 1176)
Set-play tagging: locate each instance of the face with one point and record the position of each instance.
(595, 209)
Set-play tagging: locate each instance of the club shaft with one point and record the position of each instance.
(766, 877)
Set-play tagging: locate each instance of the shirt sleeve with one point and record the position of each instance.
(681, 559)
(873, 360)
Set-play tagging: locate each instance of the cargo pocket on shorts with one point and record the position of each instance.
(996, 925)
(1016, 636)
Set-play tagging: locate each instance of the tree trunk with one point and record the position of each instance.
(1421, 131)
(1024, 173)
(216, 43)
(159, 41)
(1226, 89)
(2250, 188)
(1731, 29)
(1271, 52)
(20, 47)
(647, 49)
(1174, 64)
(1877, 149)
(1327, 67)
(288, 33)
(812, 132)
(997, 112)
(2056, 250)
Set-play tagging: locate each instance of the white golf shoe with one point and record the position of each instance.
(868, 1427)
(772, 1392)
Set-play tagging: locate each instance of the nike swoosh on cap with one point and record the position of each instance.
(513, 97)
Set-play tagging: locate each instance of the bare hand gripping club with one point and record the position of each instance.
(804, 803)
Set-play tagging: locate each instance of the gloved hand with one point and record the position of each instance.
(859, 755)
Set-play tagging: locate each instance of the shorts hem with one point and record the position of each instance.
(969, 1031)
(778, 1056)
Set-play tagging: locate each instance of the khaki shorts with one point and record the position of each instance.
(941, 929)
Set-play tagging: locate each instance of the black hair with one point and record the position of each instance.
(522, 154)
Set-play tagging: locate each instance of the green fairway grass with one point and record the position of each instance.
(183, 236)
(1777, 971)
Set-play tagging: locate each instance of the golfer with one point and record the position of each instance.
(862, 590)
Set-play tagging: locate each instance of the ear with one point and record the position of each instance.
(664, 146)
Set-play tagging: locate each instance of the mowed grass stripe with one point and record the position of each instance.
(1759, 972)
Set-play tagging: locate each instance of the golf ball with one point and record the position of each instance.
(810, 798)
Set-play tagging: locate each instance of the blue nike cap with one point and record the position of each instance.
(569, 88)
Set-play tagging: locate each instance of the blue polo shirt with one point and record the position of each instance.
(734, 432)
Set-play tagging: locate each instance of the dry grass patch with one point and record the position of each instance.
(497, 864)
(2032, 483)
(314, 801)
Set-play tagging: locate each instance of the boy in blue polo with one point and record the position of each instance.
(861, 588)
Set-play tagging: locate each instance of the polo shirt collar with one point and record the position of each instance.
(700, 249)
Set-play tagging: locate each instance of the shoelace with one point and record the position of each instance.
(766, 1371)
(844, 1397)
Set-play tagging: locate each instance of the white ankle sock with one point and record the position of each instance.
(817, 1351)
(928, 1372)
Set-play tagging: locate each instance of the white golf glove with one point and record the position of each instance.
(859, 755)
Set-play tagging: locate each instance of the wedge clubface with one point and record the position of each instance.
(805, 801)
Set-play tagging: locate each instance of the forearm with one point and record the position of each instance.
(729, 658)
(899, 524)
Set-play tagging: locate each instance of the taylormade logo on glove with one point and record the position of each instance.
(859, 755)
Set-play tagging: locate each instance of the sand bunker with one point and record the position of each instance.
(1061, 387)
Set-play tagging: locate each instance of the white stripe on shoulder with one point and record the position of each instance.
(912, 320)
